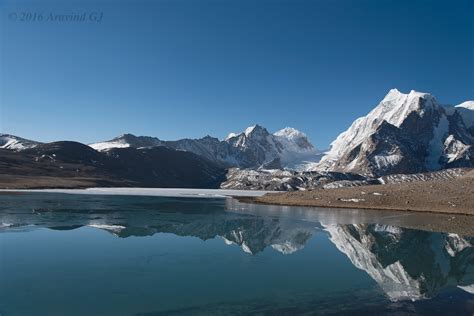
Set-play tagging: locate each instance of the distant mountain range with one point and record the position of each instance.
(403, 134)
(253, 148)
(146, 167)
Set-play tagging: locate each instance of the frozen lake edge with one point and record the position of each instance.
(168, 192)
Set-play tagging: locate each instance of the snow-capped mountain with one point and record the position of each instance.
(208, 147)
(298, 152)
(405, 133)
(16, 143)
(127, 140)
(253, 148)
(294, 140)
(287, 148)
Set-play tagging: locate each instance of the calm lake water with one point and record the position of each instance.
(66, 254)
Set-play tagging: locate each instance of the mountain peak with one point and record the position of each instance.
(249, 129)
(392, 94)
(371, 146)
(126, 136)
(254, 129)
(395, 96)
(290, 132)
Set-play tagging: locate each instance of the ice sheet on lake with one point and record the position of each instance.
(210, 193)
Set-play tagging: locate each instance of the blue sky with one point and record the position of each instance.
(175, 69)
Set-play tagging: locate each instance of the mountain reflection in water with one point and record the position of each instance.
(407, 264)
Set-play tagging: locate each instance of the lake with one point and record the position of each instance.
(64, 254)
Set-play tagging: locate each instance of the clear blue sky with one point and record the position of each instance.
(180, 68)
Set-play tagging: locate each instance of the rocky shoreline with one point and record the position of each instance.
(451, 196)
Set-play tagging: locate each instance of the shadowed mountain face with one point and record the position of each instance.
(164, 167)
(147, 167)
(407, 264)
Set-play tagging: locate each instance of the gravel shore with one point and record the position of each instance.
(454, 196)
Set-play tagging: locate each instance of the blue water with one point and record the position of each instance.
(117, 255)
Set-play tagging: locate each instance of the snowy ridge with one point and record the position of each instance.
(466, 110)
(255, 146)
(16, 143)
(252, 148)
(289, 145)
(393, 109)
(126, 141)
(467, 105)
(249, 130)
(405, 133)
(298, 153)
(291, 133)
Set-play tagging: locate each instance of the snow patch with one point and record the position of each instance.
(112, 228)
(231, 135)
(467, 288)
(352, 200)
(109, 145)
(385, 161)
(15, 143)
